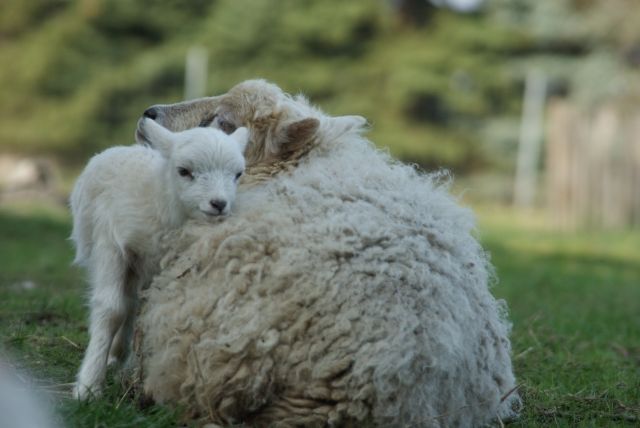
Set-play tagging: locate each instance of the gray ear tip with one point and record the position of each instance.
(145, 121)
(353, 122)
(241, 136)
(363, 122)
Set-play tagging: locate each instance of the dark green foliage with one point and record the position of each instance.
(440, 88)
(18, 17)
(80, 74)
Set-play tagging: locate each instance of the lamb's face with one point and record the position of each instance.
(203, 166)
(207, 165)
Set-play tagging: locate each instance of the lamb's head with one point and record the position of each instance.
(203, 166)
(279, 125)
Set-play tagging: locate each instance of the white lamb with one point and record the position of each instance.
(121, 204)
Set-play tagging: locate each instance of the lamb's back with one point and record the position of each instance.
(113, 197)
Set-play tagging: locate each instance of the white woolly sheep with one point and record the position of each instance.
(348, 289)
(124, 199)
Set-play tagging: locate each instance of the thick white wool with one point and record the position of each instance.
(349, 290)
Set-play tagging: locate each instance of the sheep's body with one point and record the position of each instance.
(348, 289)
(121, 204)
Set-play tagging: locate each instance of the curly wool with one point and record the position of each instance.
(348, 290)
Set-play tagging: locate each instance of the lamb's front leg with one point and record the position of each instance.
(108, 312)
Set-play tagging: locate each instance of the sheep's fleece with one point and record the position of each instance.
(348, 291)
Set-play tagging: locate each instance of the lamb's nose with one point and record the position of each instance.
(218, 204)
(151, 113)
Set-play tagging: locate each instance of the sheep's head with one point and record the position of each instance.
(203, 165)
(279, 125)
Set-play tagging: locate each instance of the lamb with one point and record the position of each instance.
(347, 290)
(122, 202)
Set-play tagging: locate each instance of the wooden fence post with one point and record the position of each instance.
(593, 167)
(530, 139)
(195, 76)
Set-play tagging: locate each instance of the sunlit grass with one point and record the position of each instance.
(574, 301)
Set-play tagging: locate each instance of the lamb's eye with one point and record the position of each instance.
(186, 173)
(225, 126)
(238, 175)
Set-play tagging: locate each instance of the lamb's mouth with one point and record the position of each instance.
(213, 214)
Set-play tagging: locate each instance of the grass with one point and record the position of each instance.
(574, 300)
(43, 321)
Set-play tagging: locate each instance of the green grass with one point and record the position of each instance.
(43, 321)
(574, 300)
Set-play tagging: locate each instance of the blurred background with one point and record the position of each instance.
(532, 102)
(533, 105)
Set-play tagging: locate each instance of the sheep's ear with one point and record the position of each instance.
(301, 131)
(241, 136)
(292, 136)
(159, 136)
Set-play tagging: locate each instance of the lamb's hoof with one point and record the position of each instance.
(83, 392)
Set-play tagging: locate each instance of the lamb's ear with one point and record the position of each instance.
(347, 123)
(158, 136)
(241, 135)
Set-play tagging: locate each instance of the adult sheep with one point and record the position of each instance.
(346, 288)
